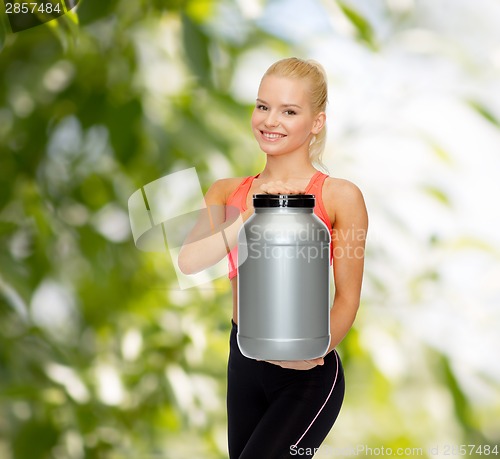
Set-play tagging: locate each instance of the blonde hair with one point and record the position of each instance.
(315, 74)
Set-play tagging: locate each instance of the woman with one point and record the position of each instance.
(281, 409)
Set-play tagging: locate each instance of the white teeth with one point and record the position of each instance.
(272, 136)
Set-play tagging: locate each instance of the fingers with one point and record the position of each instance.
(279, 187)
(297, 364)
(318, 361)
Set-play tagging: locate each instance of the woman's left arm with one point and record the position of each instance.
(348, 241)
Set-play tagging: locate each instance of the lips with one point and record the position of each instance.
(272, 136)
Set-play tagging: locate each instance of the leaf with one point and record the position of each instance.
(199, 10)
(4, 29)
(365, 31)
(461, 404)
(196, 47)
(7, 228)
(473, 243)
(438, 194)
(35, 439)
(36, 14)
(484, 112)
(66, 28)
(89, 11)
(70, 4)
(442, 154)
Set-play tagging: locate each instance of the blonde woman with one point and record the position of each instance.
(281, 409)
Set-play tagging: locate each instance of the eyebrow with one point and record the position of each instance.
(282, 105)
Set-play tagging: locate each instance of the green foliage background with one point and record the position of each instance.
(130, 366)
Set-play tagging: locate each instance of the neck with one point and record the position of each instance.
(283, 169)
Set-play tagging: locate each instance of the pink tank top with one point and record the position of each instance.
(238, 198)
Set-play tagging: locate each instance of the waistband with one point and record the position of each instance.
(234, 331)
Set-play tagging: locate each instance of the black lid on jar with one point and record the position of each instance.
(284, 200)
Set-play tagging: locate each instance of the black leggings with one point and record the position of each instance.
(275, 412)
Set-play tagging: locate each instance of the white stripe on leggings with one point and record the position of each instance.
(326, 401)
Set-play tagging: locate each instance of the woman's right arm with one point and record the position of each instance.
(206, 245)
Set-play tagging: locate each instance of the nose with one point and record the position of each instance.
(271, 120)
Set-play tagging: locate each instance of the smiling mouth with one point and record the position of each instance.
(272, 135)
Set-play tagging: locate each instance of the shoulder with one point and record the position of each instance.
(341, 196)
(221, 189)
(341, 188)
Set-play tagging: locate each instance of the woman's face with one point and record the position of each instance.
(282, 120)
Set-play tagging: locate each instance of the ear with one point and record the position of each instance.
(318, 123)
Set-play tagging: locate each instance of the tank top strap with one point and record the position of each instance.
(238, 197)
(316, 184)
(235, 203)
(316, 188)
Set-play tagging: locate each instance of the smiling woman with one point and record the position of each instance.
(275, 407)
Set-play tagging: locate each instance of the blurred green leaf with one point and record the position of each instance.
(483, 110)
(90, 11)
(461, 404)
(34, 439)
(441, 153)
(196, 47)
(437, 194)
(363, 27)
(4, 27)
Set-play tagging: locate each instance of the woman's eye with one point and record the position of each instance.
(261, 107)
(290, 112)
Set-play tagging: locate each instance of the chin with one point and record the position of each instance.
(273, 153)
(272, 150)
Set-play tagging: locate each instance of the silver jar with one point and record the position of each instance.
(283, 281)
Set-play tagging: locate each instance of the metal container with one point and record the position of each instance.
(283, 282)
